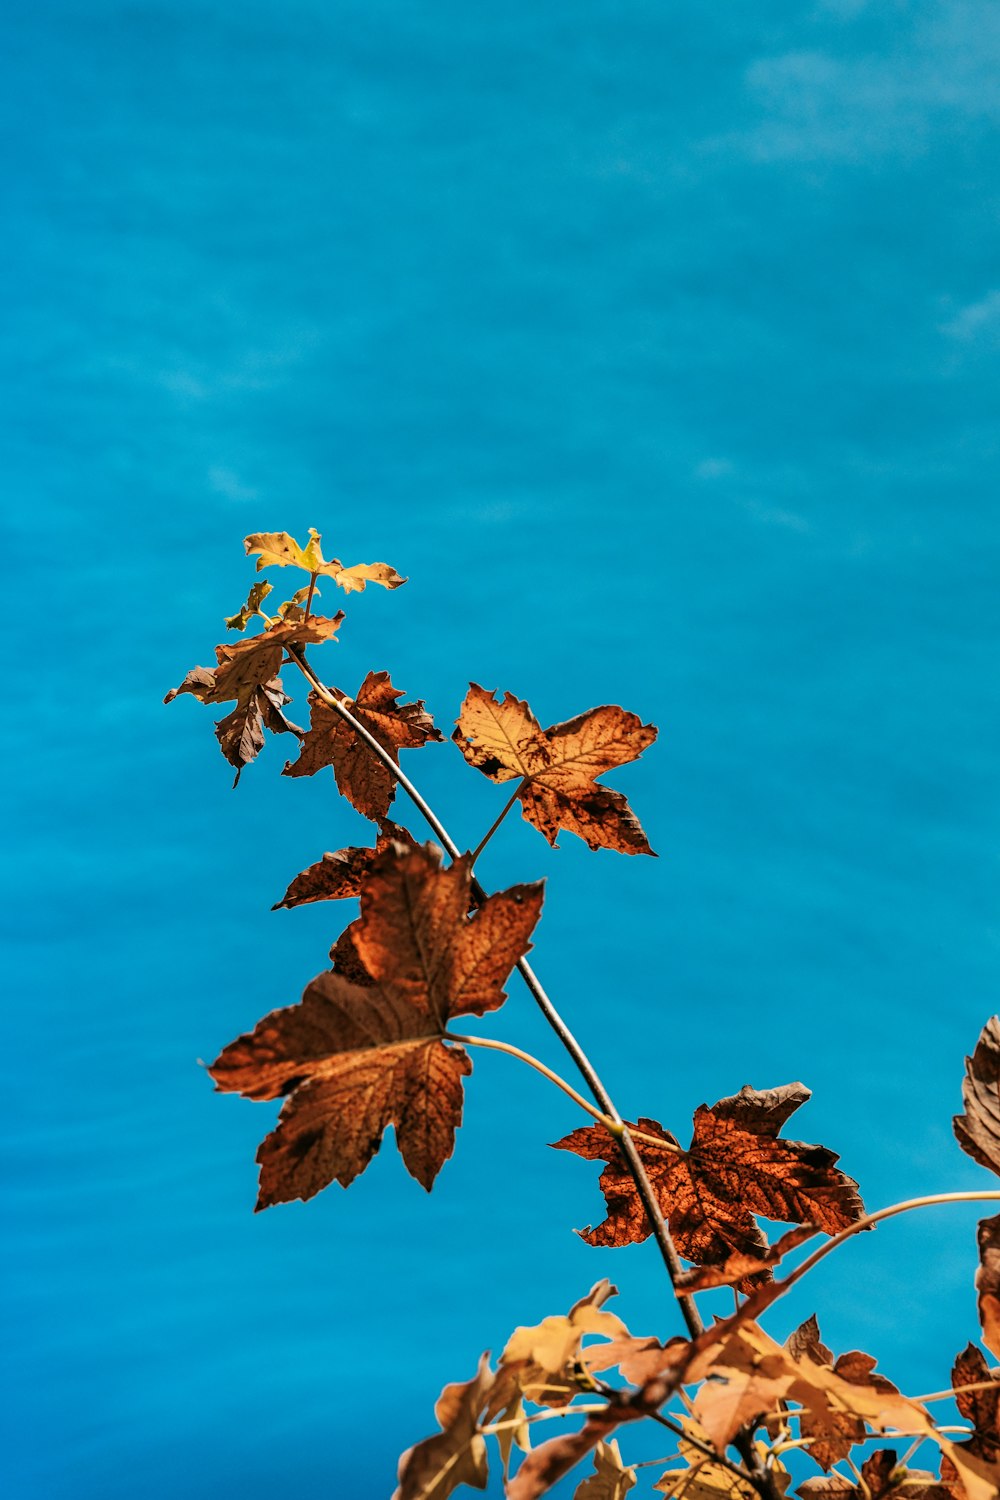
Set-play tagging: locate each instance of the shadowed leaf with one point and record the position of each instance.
(247, 672)
(351, 1059)
(882, 1478)
(457, 1454)
(338, 876)
(703, 1478)
(331, 741)
(241, 619)
(978, 1129)
(558, 767)
(278, 549)
(611, 1480)
(988, 1283)
(737, 1269)
(736, 1167)
(834, 1433)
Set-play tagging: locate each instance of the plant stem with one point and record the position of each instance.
(602, 1098)
(929, 1201)
(542, 1416)
(490, 832)
(979, 1385)
(309, 596)
(612, 1126)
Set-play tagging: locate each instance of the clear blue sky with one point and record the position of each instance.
(658, 345)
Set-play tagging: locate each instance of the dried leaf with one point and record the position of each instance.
(292, 609)
(247, 672)
(550, 1461)
(351, 1059)
(542, 1361)
(241, 619)
(558, 767)
(882, 1477)
(735, 1167)
(556, 1341)
(339, 876)
(988, 1283)
(834, 1433)
(611, 1480)
(331, 741)
(739, 1269)
(457, 1454)
(278, 549)
(703, 1478)
(978, 1130)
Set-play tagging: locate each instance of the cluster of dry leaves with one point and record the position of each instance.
(369, 1046)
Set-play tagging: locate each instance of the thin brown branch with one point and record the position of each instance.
(477, 851)
(612, 1126)
(601, 1097)
(930, 1200)
(309, 596)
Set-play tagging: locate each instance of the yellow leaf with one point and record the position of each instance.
(278, 549)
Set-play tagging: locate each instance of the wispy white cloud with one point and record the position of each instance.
(977, 322)
(844, 106)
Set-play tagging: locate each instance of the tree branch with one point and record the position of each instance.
(585, 1067)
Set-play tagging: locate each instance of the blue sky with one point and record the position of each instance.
(659, 349)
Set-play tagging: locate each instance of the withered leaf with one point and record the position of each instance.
(247, 672)
(988, 1283)
(611, 1479)
(457, 1455)
(556, 1341)
(738, 1269)
(278, 549)
(351, 1059)
(558, 766)
(241, 619)
(331, 741)
(549, 1462)
(338, 876)
(978, 1129)
(703, 1478)
(834, 1433)
(980, 1407)
(543, 1361)
(882, 1478)
(736, 1167)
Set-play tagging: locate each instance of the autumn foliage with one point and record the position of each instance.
(379, 1038)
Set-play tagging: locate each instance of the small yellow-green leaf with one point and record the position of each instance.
(241, 619)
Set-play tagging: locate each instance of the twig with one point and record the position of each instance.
(929, 1201)
(542, 1416)
(612, 1126)
(309, 596)
(477, 851)
(585, 1067)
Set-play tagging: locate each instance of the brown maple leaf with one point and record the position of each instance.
(736, 1167)
(978, 1129)
(558, 767)
(543, 1361)
(331, 741)
(278, 549)
(834, 1433)
(703, 1478)
(339, 876)
(247, 671)
(353, 1059)
(457, 1454)
(611, 1479)
(882, 1477)
(549, 1462)
(988, 1282)
(740, 1269)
